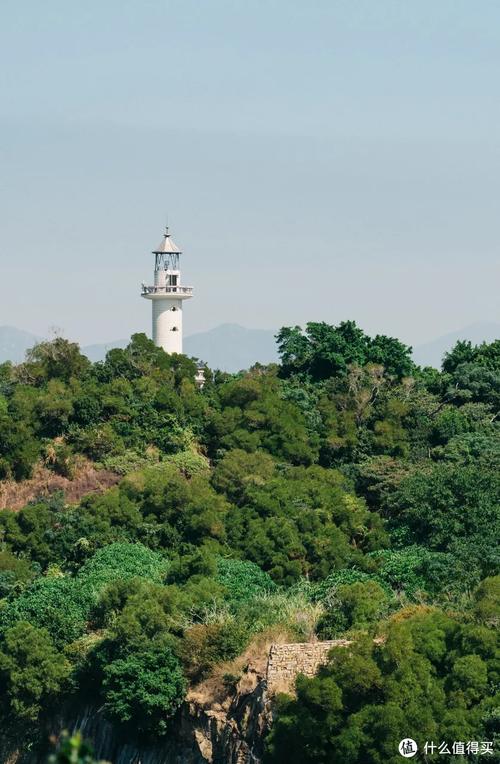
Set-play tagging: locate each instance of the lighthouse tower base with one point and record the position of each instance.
(167, 324)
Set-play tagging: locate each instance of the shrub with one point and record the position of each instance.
(98, 443)
(73, 750)
(243, 580)
(58, 605)
(15, 573)
(63, 605)
(121, 561)
(59, 458)
(189, 462)
(205, 645)
(487, 601)
(322, 591)
(291, 609)
(354, 605)
(415, 569)
(129, 461)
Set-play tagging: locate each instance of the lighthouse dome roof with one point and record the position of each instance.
(167, 245)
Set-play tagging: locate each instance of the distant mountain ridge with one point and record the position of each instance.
(231, 347)
(98, 352)
(14, 343)
(431, 353)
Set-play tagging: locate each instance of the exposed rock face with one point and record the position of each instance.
(231, 732)
(44, 483)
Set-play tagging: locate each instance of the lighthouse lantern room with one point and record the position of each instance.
(167, 295)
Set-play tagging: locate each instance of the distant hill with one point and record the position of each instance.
(431, 353)
(98, 352)
(14, 343)
(228, 347)
(231, 347)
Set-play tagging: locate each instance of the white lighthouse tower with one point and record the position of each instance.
(167, 296)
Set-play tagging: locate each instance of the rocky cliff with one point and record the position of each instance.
(221, 722)
(231, 731)
(227, 729)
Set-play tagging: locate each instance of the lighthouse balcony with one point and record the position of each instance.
(166, 291)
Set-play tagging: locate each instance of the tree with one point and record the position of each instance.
(144, 687)
(254, 414)
(239, 470)
(29, 531)
(303, 521)
(327, 351)
(474, 382)
(19, 449)
(293, 349)
(31, 670)
(54, 409)
(392, 355)
(464, 352)
(449, 508)
(141, 356)
(58, 359)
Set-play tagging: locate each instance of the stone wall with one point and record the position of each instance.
(287, 661)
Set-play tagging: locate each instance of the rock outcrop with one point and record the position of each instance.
(45, 483)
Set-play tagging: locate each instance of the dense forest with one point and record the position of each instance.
(342, 492)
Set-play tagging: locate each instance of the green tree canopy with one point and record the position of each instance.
(144, 687)
(429, 679)
(324, 351)
(32, 672)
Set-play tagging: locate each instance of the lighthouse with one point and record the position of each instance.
(167, 295)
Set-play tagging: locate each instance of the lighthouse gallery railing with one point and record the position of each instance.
(166, 289)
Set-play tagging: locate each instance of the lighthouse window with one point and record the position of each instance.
(174, 308)
(175, 329)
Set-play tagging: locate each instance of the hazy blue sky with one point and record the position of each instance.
(318, 161)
